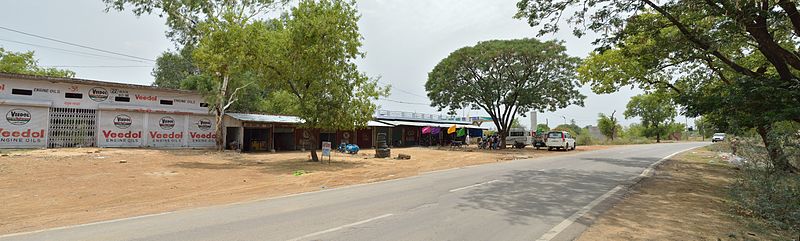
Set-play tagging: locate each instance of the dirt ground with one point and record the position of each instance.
(685, 200)
(57, 187)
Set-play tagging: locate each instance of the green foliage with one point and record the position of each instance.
(25, 63)
(298, 173)
(505, 77)
(609, 126)
(542, 127)
(572, 128)
(172, 68)
(656, 111)
(516, 124)
(585, 138)
(184, 17)
(315, 62)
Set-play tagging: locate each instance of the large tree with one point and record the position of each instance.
(656, 111)
(506, 78)
(25, 63)
(315, 64)
(716, 55)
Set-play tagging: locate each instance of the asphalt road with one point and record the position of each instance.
(516, 200)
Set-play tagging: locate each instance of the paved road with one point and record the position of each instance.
(517, 200)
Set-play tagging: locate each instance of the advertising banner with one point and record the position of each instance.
(202, 132)
(165, 130)
(23, 127)
(120, 129)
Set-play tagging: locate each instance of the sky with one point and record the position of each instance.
(403, 41)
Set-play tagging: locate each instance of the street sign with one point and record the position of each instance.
(326, 148)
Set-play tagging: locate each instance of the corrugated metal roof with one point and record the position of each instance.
(423, 124)
(265, 118)
(377, 124)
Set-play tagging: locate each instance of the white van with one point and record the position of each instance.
(519, 137)
(560, 140)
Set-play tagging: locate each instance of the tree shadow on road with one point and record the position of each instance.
(531, 194)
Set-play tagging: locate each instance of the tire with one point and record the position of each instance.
(566, 148)
(549, 148)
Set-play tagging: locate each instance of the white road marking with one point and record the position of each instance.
(341, 227)
(571, 219)
(474, 185)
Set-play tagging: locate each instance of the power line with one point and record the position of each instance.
(72, 51)
(76, 45)
(404, 102)
(402, 90)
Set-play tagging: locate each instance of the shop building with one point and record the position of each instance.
(47, 112)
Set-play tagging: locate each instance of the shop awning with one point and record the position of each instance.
(377, 124)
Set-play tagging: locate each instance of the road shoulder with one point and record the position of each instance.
(685, 199)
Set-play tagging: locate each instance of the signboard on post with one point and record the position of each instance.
(326, 149)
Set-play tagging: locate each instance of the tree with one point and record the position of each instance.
(185, 17)
(656, 111)
(716, 55)
(25, 63)
(505, 78)
(542, 127)
(572, 128)
(225, 54)
(608, 125)
(315, 64)
(172, 68)
(516, 124)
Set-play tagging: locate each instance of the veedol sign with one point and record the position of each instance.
(18, 117)
(98, 94)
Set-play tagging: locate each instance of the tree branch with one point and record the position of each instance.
(699, 43)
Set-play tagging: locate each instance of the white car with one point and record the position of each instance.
(560, 140)
(718, 137)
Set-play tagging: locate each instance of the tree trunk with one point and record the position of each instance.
(313, 147)
(779, 161)
(221, 113)
(502, 135)
(658, 134)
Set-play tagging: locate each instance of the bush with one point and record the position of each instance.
(759, 191)
(584, 139)
(771, 196)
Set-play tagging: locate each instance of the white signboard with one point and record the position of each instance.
(165, 130)
(23, 126)
(202, 132)
(120, 129)
(326, 148)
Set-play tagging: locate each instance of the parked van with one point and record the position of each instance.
(519, 137)
(560, 140)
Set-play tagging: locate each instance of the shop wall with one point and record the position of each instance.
(165, 130)
(201, 131)
(24, 126)
(120, 128)
(364, 138)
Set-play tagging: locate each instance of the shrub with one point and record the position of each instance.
(772, 196)
(585, 139)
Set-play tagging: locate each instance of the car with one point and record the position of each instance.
(560, 140)
(718, 137)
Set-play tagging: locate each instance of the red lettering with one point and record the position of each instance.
(172, 135)
(26, 133)
(147, 97)
(209, 135)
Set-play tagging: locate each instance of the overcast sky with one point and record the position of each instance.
(403, 39)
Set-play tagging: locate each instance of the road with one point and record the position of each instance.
(518, 200)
